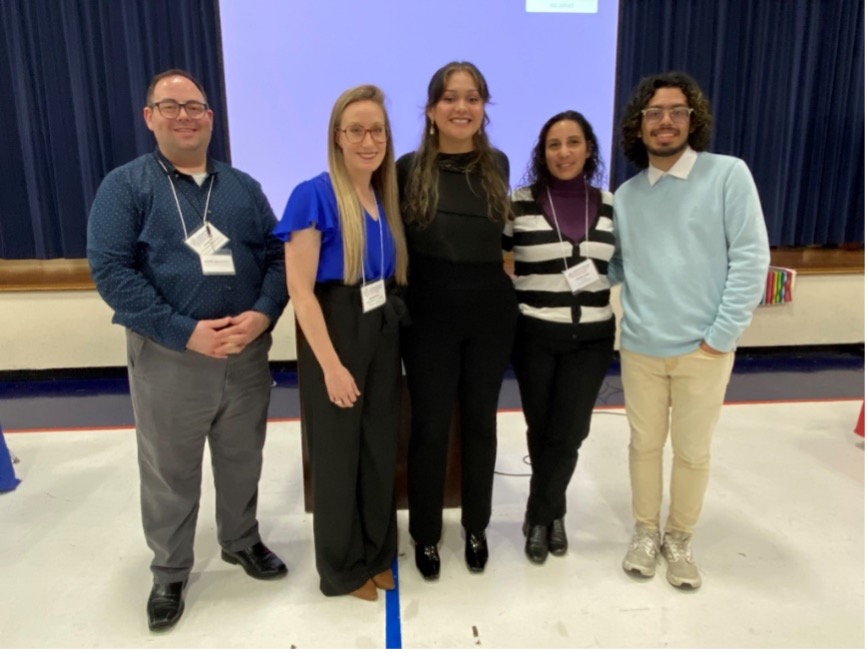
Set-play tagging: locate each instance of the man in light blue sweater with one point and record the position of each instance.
(692, 254)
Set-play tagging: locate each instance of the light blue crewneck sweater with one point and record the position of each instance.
(692, 255)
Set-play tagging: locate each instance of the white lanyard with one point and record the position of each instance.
(586, 219)
(381, 244)
(178, 204)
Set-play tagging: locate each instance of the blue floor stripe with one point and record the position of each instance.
(392, 612)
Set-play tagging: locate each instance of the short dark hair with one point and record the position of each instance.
(539, 176)
(700, 123)
(172, 72)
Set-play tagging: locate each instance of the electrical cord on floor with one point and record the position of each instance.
(525, 460)
(608, 389)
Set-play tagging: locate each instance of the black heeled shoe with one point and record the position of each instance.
(558, 544)
(476, 552)
(427, 559)
(536, 547)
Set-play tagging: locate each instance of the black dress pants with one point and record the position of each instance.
(353, 451)
(457, 347)
(559, 379)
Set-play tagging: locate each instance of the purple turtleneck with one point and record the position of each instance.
(568, 197)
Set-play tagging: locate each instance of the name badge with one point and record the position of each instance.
(372, 295)
(218, 263)
(580, 276)
(207, 239)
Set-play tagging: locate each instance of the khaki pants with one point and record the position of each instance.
(686, 393)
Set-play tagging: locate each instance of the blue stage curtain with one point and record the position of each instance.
(73, 76)
(786, 82)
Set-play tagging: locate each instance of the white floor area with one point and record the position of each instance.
(780, 546)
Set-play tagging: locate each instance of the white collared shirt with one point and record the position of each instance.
(681, 168)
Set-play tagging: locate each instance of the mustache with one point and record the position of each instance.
(668, 129)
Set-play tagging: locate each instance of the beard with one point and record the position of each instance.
(671, 150)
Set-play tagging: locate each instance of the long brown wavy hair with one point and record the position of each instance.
(422, 196)
(700, 122)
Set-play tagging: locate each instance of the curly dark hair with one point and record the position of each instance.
(538, 176)
(630, 124)
(422, 196)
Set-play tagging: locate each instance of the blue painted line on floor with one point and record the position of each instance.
(392, 612)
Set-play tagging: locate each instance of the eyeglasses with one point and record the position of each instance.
(678, 114)
(171, 109)
(355, 133)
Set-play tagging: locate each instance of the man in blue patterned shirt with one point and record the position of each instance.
(180, 247)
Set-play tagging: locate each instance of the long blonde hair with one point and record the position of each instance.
(384, 182)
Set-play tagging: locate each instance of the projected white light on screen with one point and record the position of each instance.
(564, 6)
(286, 62)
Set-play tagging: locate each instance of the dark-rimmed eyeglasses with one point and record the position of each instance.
(171, 109)
(355, 133)
(655, 114)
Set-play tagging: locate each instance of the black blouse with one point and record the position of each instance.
(461, 230)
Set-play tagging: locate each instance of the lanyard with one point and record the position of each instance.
(586, 219)
(178, 204)
(381, 245)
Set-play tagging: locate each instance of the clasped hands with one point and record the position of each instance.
(227, 335)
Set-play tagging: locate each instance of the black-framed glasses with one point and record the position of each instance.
(655, 114)
(355, 133)
(171, 109)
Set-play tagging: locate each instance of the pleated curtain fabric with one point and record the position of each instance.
(73, 76)
(786, 82)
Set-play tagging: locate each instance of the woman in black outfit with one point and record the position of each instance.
(563, 228)
(454, 199)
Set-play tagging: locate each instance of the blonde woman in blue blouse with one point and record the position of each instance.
(345, 259)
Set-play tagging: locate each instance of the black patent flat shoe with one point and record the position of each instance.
(476, 552)
(427, 559)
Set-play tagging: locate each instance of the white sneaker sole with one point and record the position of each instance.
(680, 582)
(647, 572)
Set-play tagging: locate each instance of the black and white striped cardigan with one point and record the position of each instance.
(543, 293)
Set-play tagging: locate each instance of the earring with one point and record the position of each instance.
(432, 130)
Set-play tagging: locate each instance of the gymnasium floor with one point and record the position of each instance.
(780, 543)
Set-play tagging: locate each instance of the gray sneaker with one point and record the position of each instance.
(643, 551)
(677, 549)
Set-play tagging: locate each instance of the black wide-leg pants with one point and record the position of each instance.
(457, 347)
(559, 379)
(353, 451)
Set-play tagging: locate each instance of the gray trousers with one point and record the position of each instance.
(181, 399)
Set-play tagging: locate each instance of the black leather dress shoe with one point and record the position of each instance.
(427, 559)
(476, 552)
(536, 547)
(165, 605)
(258, 561)
(557, 542)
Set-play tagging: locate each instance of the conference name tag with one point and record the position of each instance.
(580, 276)
(372, 295)
(207, 239)
(218, 263)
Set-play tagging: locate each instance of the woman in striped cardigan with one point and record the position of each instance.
(562, 239)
